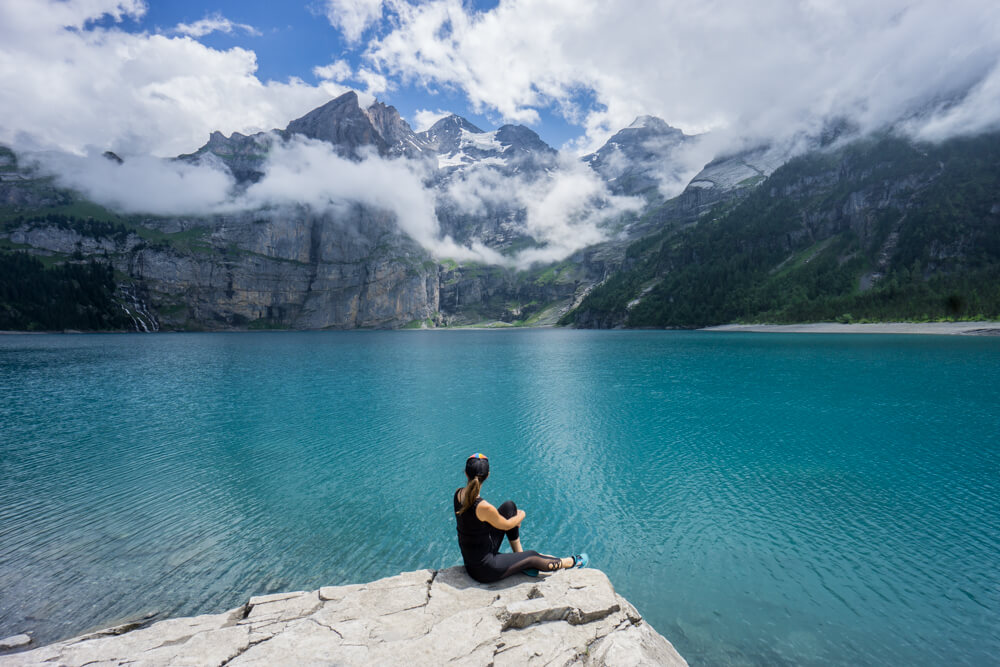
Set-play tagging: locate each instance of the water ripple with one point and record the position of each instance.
(762, 499)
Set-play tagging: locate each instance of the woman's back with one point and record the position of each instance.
(473, 534)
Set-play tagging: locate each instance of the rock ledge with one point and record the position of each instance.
(427, 617)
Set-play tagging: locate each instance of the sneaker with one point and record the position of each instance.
(581, 560)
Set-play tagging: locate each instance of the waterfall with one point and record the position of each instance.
(136, 309)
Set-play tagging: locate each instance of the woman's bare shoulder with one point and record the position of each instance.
(484, 509)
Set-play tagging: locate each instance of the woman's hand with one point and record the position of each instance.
(519, 517)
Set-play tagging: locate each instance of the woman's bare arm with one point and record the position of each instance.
(489, 514)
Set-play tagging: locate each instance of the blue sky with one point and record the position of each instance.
(294, 37)
(154, 77)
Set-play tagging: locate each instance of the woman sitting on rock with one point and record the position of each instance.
(481, 529)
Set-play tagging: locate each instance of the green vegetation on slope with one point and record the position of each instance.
(68, 296)
(918, 223)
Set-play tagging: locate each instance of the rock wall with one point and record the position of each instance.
(425, 617)
(286, 269)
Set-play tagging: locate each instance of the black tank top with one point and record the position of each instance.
(473, 534)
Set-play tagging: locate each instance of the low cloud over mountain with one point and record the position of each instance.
(341, 154)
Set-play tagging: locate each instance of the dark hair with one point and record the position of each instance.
(477, 469)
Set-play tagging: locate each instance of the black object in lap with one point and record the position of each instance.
(480, 544)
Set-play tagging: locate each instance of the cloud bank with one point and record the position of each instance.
(757, 70)
(565, 210)
(69, 85)
(142, 184)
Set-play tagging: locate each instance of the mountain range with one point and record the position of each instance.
(872, 227)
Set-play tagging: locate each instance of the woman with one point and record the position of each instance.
(481, 528)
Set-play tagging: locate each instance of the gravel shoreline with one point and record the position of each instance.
(923, 328)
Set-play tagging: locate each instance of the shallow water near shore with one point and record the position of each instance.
(763, 499)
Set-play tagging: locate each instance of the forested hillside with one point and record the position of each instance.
(65, 296)
(879, 229)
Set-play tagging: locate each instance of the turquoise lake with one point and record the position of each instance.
(763, 499)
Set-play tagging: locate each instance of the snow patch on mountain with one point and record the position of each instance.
(483, 141)
(462, 159)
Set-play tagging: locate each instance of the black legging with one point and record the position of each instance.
(493, 566)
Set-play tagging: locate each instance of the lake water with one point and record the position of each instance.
(763, 499)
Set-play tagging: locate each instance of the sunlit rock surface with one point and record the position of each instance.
(425, 617)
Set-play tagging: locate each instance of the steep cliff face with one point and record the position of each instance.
(289, 269)
(298, 282)
(398, 135)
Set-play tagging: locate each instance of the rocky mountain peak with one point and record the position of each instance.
(445, 135)
(643, 129)
(384, 117)
(458, 143)
(521, 139)
(650, 123)
(343, 123)
(454, 120)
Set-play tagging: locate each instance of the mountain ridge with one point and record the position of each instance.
(293, 267)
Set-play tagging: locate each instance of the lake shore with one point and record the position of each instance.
(922, 328)
(983, 328)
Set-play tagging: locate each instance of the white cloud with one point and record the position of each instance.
(297, 172)
(333, 75)
(133, 93)
(424, 118)
(338, 70)
(214, 23)
(374, 82)
(306, 171)
(353, 17)
(976, 113)
(566, 209)
(747, 69)
(569, 212)
(142, 184)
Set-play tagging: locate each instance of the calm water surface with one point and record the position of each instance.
(763, 499)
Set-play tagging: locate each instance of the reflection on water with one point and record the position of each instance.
(762, 499)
